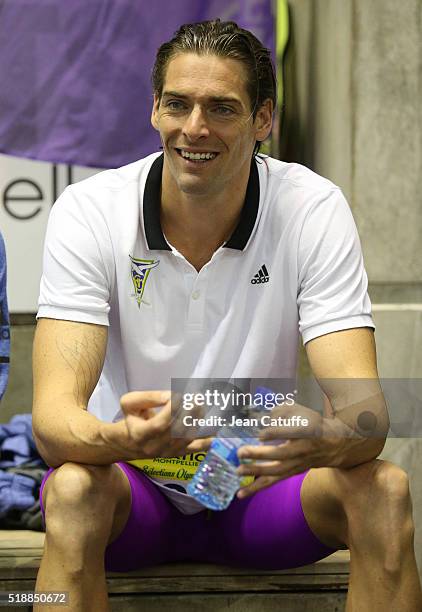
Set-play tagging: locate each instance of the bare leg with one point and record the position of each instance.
(368, 510)
(86, 508)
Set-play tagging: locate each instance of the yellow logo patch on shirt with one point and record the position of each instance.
(175, 469)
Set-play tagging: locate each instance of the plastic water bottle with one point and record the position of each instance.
(215, 482)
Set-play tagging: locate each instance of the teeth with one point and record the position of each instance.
(197, 156)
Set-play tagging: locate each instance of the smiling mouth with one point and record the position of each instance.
(197, 157)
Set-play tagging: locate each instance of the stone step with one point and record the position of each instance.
(320, 587)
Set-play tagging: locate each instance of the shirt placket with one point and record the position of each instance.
(197, 299)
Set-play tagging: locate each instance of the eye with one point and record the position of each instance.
(223, 111)
(175, 105)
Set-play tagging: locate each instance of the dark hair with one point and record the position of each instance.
(224, 39)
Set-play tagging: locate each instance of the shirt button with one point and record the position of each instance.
(195, 295)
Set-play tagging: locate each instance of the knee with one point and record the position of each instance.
(79, 510)
(76, 486)
(391, 492)
(378, 487)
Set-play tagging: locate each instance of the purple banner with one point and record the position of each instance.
(75, 76)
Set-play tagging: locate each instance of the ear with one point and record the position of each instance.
(264, 120)
(154, 113)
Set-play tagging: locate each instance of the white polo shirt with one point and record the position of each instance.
(293, 265)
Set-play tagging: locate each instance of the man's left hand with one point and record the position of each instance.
(295, 448)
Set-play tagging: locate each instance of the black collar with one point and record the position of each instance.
(152, 196)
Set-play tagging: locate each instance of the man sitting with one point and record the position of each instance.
(151, 273)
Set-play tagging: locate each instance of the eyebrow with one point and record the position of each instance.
(225, 99)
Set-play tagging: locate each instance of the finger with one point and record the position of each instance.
(183, 447)
(185, 424)
(290, 450)
(281, 452)
(156, 428)
(267, 468)
(264, 481)
(176, 406)
(250, 453)
(199, 445)
(260, 483)
(138, 401)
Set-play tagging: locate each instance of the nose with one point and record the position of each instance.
(196, 125)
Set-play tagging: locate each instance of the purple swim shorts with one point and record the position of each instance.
(265, 531)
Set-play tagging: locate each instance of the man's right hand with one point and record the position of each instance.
(68, 358)
(148, 429)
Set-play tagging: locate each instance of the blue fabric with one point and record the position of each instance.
(21, 473)
(4, 323)
(17, 445)
(16, 492)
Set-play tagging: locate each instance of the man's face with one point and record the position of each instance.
(205, 122)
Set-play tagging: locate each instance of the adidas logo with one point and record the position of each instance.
(261, 277)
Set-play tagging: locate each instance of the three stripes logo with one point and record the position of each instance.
(261, 276)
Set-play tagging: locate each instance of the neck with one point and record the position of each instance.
(197, 225)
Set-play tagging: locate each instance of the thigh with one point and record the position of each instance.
(152, 533)
(267, 531)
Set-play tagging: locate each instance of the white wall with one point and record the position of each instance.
(28, 190)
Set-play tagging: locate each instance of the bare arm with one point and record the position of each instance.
(353, 432)
(346, 368)
(67, 361)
